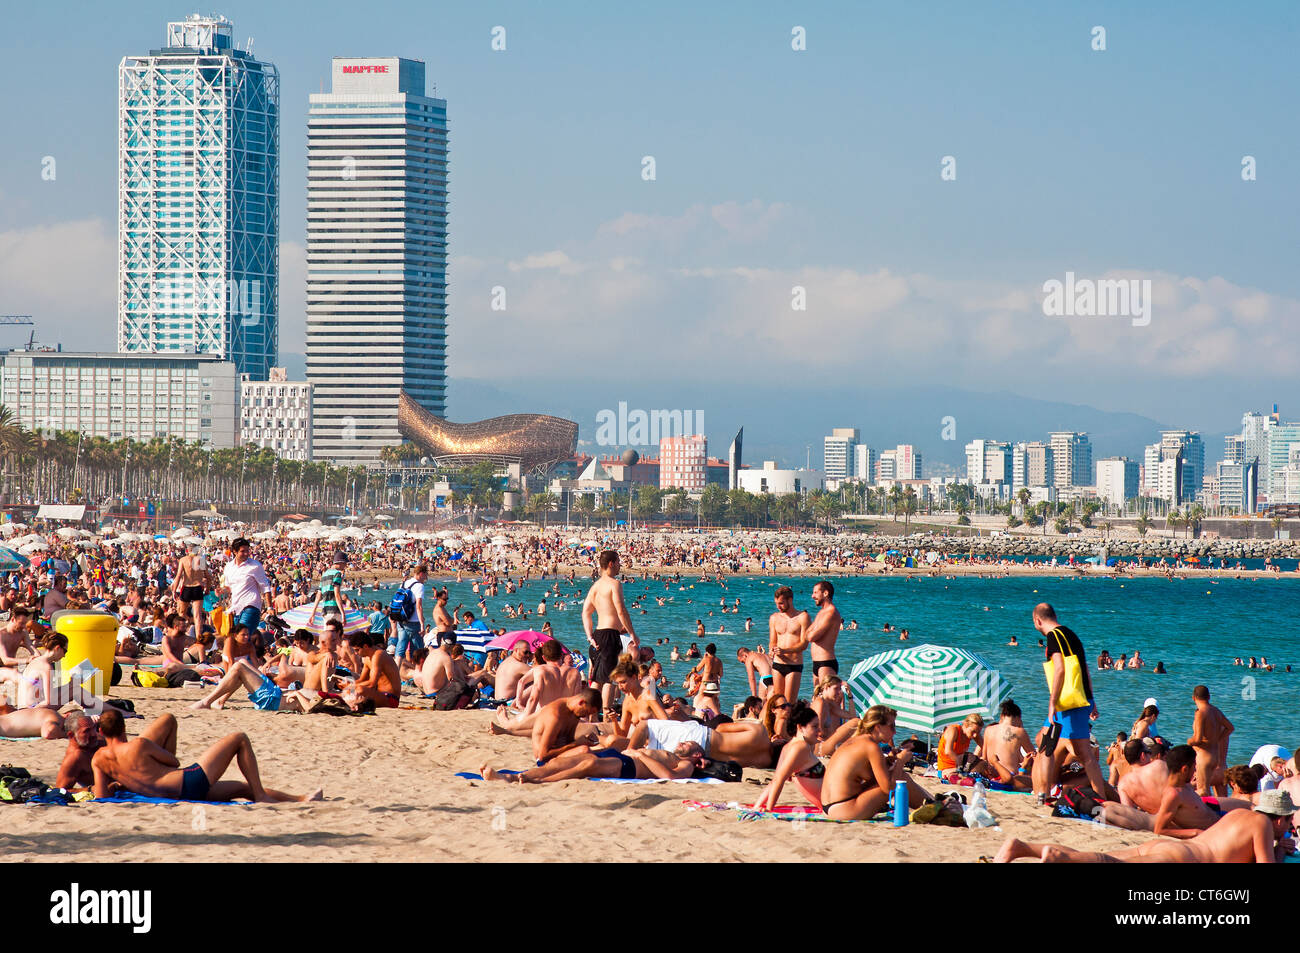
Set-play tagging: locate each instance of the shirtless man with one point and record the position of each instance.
(57, 598)
(14, 636)
(708, 672)
(1169, 807)
(544, 683)
(638, 704)
(84, 740)
(1007, 746)
(787, 637)
(42, 722)
(148, 766)
(605, 600)
(553, 731)
(443, 623)
(174, 642)
(1239, 837)
(379, 681)
(438, 669)
(824, 631)
(322, 662)
(747, 743)
(512, 668)
(192, 583)
(1210, 732)
(758, 668)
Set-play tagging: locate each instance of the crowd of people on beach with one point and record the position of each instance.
(191, 614)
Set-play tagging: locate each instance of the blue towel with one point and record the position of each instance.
(130, 797)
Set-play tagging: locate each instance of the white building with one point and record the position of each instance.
(989, 461)
(117, 396)
(198, 202)
(864, 463)
(276, 414)
(376, 254)
(839, 453)
(901, 463)
(772, 480)
(1117, 480)
(1071, 458)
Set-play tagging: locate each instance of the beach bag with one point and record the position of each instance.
(1073, 694)
(450, 696)
(402, 608)
(1082, 800)
(729, 771)
(148, 679)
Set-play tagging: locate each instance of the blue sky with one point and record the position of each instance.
(774, 168)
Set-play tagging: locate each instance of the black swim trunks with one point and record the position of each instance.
(627, 767)
(604, 656)
(830, 663)
(191, 593)
(785, 669)
(194, 783)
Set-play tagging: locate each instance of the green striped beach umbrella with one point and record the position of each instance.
(931, 686)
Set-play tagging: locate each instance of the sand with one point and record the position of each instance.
(390, 795)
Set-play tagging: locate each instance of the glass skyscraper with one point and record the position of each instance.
(199, 199)
(376, 254)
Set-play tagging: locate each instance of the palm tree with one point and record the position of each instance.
(542, 503)
(909, 507)
(1276, 523)
(1023, 495)
(585, 506)
(895, 499)
(1173, 521)
(1143, 524)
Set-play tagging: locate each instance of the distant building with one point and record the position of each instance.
(989, 461)
(864, 463)
(901, 463)
(1031, 465)
(1281, 439)
(1238, 490)
(1117, 480)
(735, 460)
(839, 453)
(682, 462)
(1071, 458)
(770, 479)
(115, 396)
(276, 414)
(198, 199)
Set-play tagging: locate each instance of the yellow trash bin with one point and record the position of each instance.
(92, 646)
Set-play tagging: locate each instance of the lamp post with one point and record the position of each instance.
(630, 458)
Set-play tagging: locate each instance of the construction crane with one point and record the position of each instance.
(15, 319)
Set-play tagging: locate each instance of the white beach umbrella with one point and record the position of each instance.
(182, 533)
(65, 532)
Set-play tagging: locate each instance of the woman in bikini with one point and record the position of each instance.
(799, 761)
(859, 777)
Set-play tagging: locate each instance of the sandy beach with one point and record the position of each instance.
(391, 795)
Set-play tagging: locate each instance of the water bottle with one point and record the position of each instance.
(900, 803)
(977, 812)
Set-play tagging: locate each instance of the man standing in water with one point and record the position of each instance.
(1210, 732)
(823, 632)
(605, 599)
(787, 637)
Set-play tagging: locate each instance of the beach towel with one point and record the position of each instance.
(7, 738)
(130, 797)
(783, 812)
(470, 776)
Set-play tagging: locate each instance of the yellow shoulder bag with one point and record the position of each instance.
(1073, 694)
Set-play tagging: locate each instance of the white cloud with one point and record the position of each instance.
(64, 275)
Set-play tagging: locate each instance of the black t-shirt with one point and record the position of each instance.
(1071, 645)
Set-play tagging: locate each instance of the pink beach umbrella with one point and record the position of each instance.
(507, 642)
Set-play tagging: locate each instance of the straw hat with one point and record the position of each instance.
(1275, 802)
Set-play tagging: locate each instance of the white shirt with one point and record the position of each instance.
(417, 592)
(246, 582)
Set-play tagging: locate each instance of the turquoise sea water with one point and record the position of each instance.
(1195, 626)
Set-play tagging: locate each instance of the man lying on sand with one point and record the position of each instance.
(31, 723)
(1169, 807)
(746, 743)
(606, 763)
(1239, 837)
(148, 766)
(553, 729)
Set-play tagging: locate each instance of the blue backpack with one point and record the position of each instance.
(402, 608)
